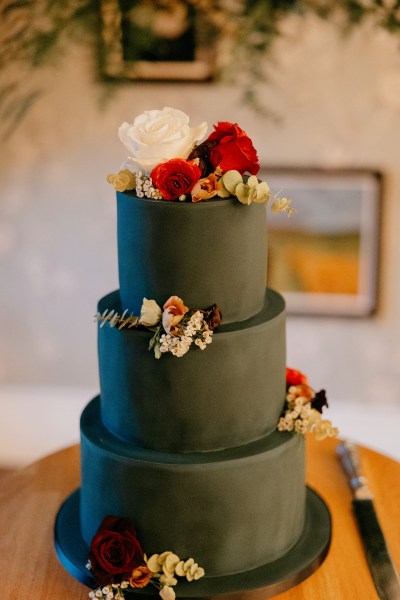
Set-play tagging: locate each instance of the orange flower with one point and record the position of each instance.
(174, 311)
(294, 377)
(205, 188)
(140, 577)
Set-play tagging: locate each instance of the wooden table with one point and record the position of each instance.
(31, 498)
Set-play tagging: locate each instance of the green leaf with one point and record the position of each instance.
(231, 179)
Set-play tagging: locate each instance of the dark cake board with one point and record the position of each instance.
(257, 584)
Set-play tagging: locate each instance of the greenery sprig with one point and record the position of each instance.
(114, 319)
(37, 33)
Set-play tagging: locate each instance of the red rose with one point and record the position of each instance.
(233, 149)
(294, 377)
(175, 178)
(115, 551)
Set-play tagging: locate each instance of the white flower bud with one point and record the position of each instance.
(150, 313)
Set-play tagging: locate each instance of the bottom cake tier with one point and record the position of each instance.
(265, 581)
(232, 510)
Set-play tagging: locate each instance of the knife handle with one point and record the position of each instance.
(350, 460)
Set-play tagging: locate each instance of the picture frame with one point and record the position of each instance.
(143, 41)
(324, 258)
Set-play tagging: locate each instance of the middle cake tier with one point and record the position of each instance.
(230, 394)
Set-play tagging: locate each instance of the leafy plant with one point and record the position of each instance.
(37, 33)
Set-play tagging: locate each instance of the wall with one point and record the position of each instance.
(333, 101)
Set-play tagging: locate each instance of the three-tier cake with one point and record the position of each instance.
(182, 442)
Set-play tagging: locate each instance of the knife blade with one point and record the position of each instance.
(383, 572)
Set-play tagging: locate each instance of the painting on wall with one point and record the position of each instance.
(154, 41)
(324, 258)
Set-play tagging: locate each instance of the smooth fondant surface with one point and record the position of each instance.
(187, 448)
(212, 252)
(231, 510)
(178, 404)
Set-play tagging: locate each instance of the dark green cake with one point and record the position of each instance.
(232, 494)
(186, 448)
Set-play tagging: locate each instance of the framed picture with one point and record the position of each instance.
(154, 40)
(324, 257)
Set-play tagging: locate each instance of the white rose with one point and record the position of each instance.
(150, 313)
(159, 135)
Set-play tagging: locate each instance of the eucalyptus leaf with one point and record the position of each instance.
(243, 193)
(231, 179)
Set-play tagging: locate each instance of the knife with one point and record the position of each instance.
(383, 572)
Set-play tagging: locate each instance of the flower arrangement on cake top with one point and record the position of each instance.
(169, 161)
(304, 406)
(119, 565)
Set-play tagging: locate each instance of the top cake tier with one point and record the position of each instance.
(211, 252)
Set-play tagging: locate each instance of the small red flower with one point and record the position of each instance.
(175, 177)
(294, 377)
(232, 149)
(115, 551)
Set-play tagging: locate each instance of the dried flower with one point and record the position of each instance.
(302, 390)
(202, 153)
(140, 577)
(303, 408)
(282, 205)
(320, 401)
(213, 316)
(174, 310)
(205, 188)
(324, 429)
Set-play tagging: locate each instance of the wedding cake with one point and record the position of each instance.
(192, 456)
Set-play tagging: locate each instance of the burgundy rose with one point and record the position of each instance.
(115, 551)
(202, 153)
(233, 150)
(213, 317)
(175, 178)
(319, 401)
